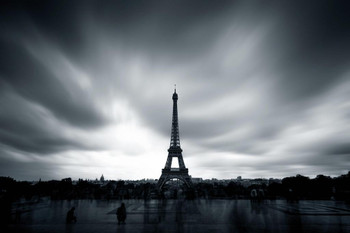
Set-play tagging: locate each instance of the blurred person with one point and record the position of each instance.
(121, 214)
(71, 216)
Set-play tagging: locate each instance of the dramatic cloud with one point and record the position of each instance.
(85, 88)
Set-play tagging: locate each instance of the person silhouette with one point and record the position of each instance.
(121, 214)
(71, 216)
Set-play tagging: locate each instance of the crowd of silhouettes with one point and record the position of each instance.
(121, 215)
(292, 189)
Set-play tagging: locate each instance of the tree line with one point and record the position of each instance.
(291, 188)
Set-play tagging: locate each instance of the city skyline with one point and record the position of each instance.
(86, 87)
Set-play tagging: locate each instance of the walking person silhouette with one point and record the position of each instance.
(71, 216)
(121, 214)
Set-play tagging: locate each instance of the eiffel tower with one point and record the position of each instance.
(175, 151)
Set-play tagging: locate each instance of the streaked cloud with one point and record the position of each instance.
(86, 88)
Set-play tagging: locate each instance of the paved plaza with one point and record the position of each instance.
(184, 216)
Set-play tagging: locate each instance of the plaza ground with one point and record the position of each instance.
(195, 216)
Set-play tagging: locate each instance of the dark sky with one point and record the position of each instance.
(86, 86)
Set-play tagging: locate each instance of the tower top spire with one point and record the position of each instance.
(175, 94)
(175, 138)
